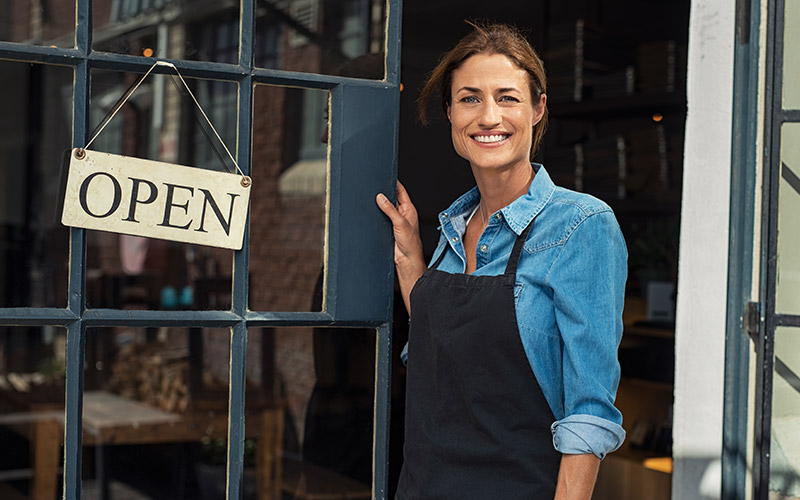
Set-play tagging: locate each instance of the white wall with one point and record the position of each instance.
(703, 265)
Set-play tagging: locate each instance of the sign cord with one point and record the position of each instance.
(133, 89)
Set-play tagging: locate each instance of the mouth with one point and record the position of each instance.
(490, 139)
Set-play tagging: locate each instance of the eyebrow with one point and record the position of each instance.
(477, 90)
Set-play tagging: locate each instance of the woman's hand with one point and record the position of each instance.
(408, 258)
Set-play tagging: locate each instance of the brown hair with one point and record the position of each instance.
(487, 39)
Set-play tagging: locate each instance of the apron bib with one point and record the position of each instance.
(477, 422)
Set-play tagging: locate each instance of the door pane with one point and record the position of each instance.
(288, 202)
(338, 37)
(160, 122)
(32, 367)
(791, 63)
(173, 29)
(38, 22)
(785, 445)
(35, 128)
(787, 293)
(314, 389)
(155, 403)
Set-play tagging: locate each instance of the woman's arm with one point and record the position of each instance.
(576, 477)
(408, 258)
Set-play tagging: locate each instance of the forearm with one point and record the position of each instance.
(408, 272)
(576, 477)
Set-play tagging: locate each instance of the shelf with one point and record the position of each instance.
(673, 101)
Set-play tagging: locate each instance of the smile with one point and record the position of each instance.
(488, 139)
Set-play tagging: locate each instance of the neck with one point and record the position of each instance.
(499, 188)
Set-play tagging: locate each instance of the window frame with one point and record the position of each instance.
(358, 237)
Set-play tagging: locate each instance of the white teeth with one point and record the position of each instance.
(489, 138)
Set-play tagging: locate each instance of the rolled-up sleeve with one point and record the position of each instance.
(588, 283)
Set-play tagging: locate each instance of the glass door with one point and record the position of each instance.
(145, 368)
(776, 464)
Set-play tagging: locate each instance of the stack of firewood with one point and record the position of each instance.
(153, 374)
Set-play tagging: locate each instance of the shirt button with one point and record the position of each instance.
(455, 238)
(497, 216)
(444, 215)
(484, 248)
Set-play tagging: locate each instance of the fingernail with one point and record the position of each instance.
(382, 198)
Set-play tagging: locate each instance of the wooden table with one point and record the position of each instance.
(109, 419)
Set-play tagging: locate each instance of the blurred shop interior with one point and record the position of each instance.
(155, 399)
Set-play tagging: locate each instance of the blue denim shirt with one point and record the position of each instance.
(569, 296)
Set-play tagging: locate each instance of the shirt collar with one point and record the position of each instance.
(519, 213)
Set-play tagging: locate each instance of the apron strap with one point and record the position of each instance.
(441, 256)
(513, 259)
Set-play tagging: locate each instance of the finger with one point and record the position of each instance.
(402, 195)
(389, 209)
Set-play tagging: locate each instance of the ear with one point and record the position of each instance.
(447, 111)
(539, 108)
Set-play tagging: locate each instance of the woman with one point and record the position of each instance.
(512, 366)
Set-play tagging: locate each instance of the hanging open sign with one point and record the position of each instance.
(148, 198)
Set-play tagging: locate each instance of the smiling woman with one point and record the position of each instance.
(493, 115)
(521, 308)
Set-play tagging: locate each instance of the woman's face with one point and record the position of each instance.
(492, 113)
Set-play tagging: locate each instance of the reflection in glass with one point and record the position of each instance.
(198, 30)
(155, 405)
(32, 367)
(50, 22)
(160, 122)
(35, 128)
(316, 36)
(785, 443)
(791, 64)
(787, 292)
(287, 206)
(314, 390)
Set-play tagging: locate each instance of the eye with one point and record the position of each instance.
(508, 98)
(470, 99)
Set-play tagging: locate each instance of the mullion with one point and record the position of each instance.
(787, 320)
(28, 316)
(236, 402)
(383, 388)
(14, 51)
(201, 69)
(76, 332)
(393, 19)
(140, 64)
(311, 80)
(145, 318)
(765, 347)
(73, 450)
(241, 266)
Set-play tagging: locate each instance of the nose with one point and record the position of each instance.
(490, 114)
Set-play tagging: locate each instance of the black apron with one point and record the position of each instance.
(477, 422)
